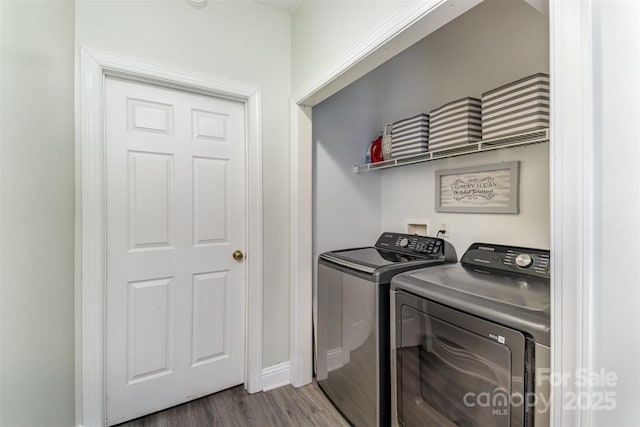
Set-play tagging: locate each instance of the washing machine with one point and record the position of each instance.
(471, 341)
(352, 324)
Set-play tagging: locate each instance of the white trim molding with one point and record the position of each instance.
(275, 376)
(571, 166)
(94, 67)
(1, 231)
(301, 274)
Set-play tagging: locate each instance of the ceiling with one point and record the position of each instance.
(286, 6)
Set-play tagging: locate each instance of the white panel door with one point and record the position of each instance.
(176, 211)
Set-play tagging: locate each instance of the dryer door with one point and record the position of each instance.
(454, 369)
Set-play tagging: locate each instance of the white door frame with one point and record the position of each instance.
(572, 191)
(571, 154)
(95, 66)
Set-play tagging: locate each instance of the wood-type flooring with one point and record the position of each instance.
(281, 407)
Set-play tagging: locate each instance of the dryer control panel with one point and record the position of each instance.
(514, 259)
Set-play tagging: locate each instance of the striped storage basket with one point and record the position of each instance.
(521, 106)
(455, 124)
(410, 136)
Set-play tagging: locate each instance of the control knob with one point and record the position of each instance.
(524, 261)
(404, 242)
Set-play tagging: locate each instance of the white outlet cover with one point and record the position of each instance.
(445, 226)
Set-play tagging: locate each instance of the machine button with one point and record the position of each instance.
(524, 261)
(404, 243)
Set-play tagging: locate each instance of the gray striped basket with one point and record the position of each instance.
(517, 107)
(410, 136)
(455, 124)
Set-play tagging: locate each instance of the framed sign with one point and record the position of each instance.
(478, 189)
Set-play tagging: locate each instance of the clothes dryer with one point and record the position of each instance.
(470, 341)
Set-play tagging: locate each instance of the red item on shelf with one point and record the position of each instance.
(376, 151)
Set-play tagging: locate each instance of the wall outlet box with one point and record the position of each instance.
(420, 227)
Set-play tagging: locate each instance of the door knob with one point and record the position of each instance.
(238, 255)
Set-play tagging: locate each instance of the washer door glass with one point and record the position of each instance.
(451, 376)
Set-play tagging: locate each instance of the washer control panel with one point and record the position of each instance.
(412, 244)
(534, 262)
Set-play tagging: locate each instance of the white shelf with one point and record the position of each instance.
(518, 140)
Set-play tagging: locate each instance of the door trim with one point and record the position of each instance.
(95, 66)
(572, 205)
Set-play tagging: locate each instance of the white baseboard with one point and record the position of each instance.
(275, 376)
